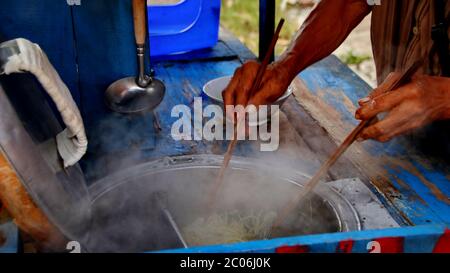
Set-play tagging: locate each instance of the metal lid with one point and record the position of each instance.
(28, 127)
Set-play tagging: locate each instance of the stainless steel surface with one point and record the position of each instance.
(373, 214)
(143, 80)
(120, 209)
(127, 97)
(27, 138)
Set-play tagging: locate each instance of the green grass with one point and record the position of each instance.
(351, 59)
(241, 17)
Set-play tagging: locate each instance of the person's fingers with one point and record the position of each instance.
(404, 128)
(268, 94)
(411, 121)
(384, 87)
(249, 72)
(229, 94)
(379, 131)
(399, 130)
(363, 101)
(383, 103)
(259, 99)
(395, 123)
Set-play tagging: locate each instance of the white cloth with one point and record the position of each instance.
(72, 141)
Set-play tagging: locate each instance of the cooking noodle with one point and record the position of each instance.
(229, 227)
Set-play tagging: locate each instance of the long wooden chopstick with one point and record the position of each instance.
(405, 78)
(255, 87)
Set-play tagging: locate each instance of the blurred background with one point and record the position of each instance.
(241, 18)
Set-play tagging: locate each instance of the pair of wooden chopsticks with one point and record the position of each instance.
(402, 80)
(255, 87)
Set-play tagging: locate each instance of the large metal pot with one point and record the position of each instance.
(122, 212)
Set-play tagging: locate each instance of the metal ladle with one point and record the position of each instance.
(136, 94)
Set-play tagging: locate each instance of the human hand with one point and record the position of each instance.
(424, 100)
(274, 84)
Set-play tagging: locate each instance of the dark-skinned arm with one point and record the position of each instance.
(324, 30)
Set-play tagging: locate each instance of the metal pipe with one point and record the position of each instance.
(266, 26)
(175, 227)
(143, 80)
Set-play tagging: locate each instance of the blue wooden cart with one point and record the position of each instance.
(412, 183)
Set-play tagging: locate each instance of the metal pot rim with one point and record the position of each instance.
(346, 213)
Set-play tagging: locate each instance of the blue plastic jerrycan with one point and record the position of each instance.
(182, 27)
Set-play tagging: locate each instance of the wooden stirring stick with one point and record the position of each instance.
(405, 78)
(255, 87)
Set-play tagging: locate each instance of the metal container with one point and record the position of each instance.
(123, 219)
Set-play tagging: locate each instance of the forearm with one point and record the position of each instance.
(323, 31)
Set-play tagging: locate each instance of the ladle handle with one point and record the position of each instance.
(140, 24)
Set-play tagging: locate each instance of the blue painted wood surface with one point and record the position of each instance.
(10, 232)
(422, 181)
(421, 239)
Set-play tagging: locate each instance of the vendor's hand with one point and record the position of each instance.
(273, 85)
(424, 100)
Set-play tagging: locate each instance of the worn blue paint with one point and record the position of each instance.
(11, 232)
(422, 243)
(436, 177)
(330, 80)
(184, 81)
(420, 238)
(414, 209)
(416, 185)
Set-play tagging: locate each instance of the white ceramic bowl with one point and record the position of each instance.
(214, 88)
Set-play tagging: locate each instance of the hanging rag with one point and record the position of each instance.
(24, 56)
